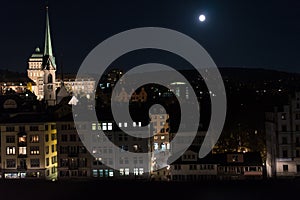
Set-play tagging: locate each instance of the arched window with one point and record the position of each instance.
(50, 78)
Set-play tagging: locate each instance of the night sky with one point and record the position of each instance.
(252, 33)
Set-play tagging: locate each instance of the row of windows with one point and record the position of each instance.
(284, 116)
(72, 149)
(31, 128)
(284, 153)
(284, 140)
(32, 139)
(122, 160)
(33, 150)
(122, 172)
(102, 126)
(73, 163)
(71, 137)
(11, 163)
(64, 173)
(286, 168)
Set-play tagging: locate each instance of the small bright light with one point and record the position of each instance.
(202, 18)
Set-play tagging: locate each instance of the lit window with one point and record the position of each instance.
(94, 127)
(22, 139)
(134, 124)
(109, 126)
(104, 126)
(162, 137)
(34, 138)
(121, 172)
(101, 172)
(136, 171)
(126, 171)
(120, 124)
(22, 151)
(10, 150)
(95, 173)
(125, 124)
(111, 173)
(140, 124)
(34, 150)
(141, 171)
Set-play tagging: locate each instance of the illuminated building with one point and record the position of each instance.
(101, 160)
(223, 166)
(180, 89)
(42, 71)
(28, 147)
(42, 68)
(283, 139)
(126, 164)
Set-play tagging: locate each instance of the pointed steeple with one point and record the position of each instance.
(49, 60)
(48, 45)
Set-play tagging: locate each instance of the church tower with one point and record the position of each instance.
(49, 67)
(42, 68)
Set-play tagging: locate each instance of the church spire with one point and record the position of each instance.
(48, 46)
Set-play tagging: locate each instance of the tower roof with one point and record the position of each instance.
(49, 60)
(48, 45)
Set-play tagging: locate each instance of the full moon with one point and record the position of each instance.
(202, 18)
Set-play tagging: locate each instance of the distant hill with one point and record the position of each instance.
(12, 76)
(251, 74)
(239, 74)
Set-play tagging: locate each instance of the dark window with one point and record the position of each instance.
(73, 137)
(10, 129)
(285, 153)
(46, 137)
(285, 168)
(35, 162)
(53, 136)
(10, 139)
(33, 128)
(22, 128)
(47, 149)
(64, 138)
(284, 140)
(283, 128)
(10, 163)
(298, 168)
(50, 78)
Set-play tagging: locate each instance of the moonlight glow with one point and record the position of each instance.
(202, 18)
